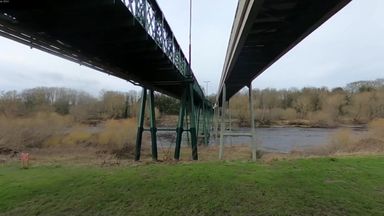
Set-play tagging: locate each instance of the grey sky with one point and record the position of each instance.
(347, 48)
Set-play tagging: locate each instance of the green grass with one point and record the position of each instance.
(323, 186)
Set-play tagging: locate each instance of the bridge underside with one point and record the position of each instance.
(264, 30)
(101, 34)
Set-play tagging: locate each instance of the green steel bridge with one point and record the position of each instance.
(132, 40)
(129, 39)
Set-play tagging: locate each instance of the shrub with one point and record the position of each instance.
(344, 141)
(289, 114)
(31, 132)
(78, 136)
(117, 134)
(341, 140)
(322, 118)
(376, 128)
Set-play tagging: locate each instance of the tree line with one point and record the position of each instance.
(79, 104)
(357, 102)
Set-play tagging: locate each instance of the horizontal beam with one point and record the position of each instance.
(237, 134)
(164, 129)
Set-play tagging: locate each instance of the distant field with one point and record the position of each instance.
(318, 186)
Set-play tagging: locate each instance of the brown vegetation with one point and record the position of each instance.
(51, 130)
(358, 103)
(31, 132)
(80, 105)
(118, 134)
(58, 118)
(345, 142)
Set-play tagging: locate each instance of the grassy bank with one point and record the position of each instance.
(321, 186)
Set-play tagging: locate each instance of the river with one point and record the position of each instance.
(275, 139)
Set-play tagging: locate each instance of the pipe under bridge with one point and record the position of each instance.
(262, 32)
(129, 39)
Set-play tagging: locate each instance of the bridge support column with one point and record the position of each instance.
(140, 127)
(252, 117)
(211, 123)
(187, 102)
(216, 122)
(198, 123)
(205, 124)
(192, 128)
(153, 128)
(222, 125)
(180, 125)
(230, 122)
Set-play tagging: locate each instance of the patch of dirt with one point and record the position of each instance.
(333, 181)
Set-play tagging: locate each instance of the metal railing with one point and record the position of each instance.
(150, 16)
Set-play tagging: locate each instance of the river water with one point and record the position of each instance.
(275, 139)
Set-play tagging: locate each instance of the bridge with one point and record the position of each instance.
(262, 32)
(132, 40)
(129, 39)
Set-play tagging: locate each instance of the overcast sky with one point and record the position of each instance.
(347, 48)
